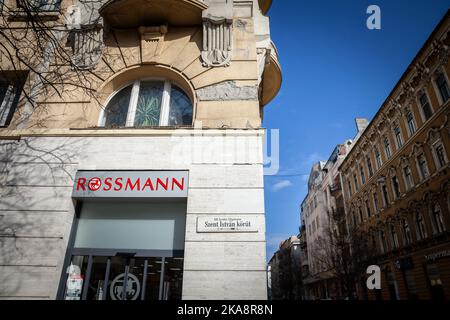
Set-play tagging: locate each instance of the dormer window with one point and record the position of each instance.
(148, 103)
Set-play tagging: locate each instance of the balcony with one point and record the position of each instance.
(272, 77)
(265, 5)
(136, 13)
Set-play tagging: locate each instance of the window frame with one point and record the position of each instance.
(378, 159)
(436, 86)
(409, 184)
(387, 147)
(132, 105)
(422, 175)
(422, 93)
(413, 121)
(436, 158)
(398, 137)
(10, 100)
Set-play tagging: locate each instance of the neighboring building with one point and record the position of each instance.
(285, 271)
(319, 222)
(150, 179)
(397, 176)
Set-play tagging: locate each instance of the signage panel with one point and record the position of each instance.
(221, 224)
(130, 184)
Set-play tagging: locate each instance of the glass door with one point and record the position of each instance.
(97, 277)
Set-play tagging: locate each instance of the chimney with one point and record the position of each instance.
(361, 124)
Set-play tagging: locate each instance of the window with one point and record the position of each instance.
(148, 103)
(440, 156)
(383, 243)
(421, 230)
(398, 136)
(438, 221)
(425, 106)
(409, 182)
(442, 85)
(349, 188)
(422, 166)
(406, 232)
(387, 147)
(361, 217)
(369, 166)
(40, 5)
(411, 123)
(9, 98)
(385, 195)
(394, 238)
(368, 209)
(396, 187)
(363, 175)
(355, 179)
(378, 158)
(375, 202)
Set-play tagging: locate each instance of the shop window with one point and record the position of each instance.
(126, 251)
(378, 158)
(439, 154)
(425, 106)
(410, 121)
(438, 220)
(407, 175)
(387, 147)
(369, 166)
(420, 226)
(442, 85)
(422, 166)
(10, 90)
(406, 232)
(435, 282)
(398, 136)
(396, 187)
(148, 104)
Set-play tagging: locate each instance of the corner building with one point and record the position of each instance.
(396, 179)
(150, 184)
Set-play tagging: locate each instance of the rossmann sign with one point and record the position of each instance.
(130, 184)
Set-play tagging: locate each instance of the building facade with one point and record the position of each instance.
(132, 149)
(320, 211)
(396, 179)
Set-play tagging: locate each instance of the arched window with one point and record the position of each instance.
(421, 230)
(148, 103)
(406, 231)
(437, 219)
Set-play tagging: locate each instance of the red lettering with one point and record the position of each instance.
(137, 184)
(148, 184)
(164, 185)
(81, 184)
(108, 184)
(119, 184)
(176, 182)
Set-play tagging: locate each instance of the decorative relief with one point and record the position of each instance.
(442, 51)
(217, 42)
(152, 41)
(227, 91)
(87, 46)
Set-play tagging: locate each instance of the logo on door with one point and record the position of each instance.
(133, 289)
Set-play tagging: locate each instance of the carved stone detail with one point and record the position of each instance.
(217, 41)
(87, 46)
(152, 40)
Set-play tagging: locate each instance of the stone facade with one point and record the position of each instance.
(396, 179)
(59, 131)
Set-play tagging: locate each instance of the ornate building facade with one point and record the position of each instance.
(131, 148)
(396, 179)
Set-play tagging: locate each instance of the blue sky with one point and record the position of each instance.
(334, 69)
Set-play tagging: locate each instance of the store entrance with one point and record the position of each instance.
(104, 277)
